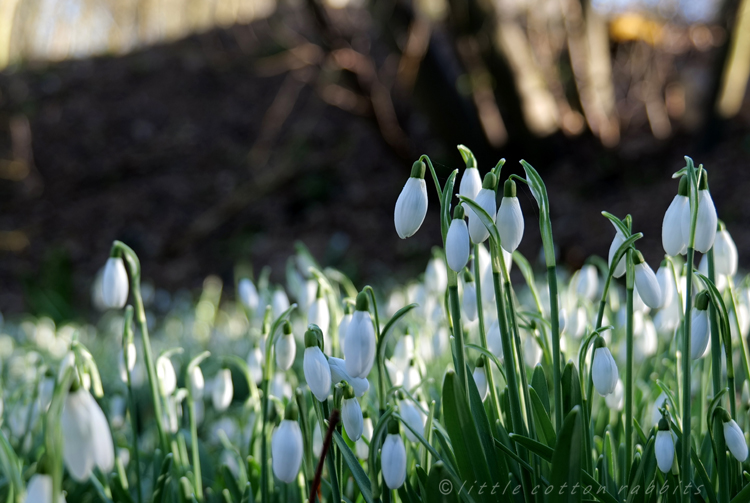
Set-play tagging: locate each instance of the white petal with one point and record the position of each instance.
(363, 450)
(469, 301)
(286, 451)
(286, 350)
(413, 417)
(411, 207)
(666, 284)
(223, 390)
(725, 254)
(604, 371)
(735, 440)
(480, 379)
(648, 286)
(317, 373)
(587, 282)
(664, 450)
(699, 334)
(477, 231)
(360, 348)
(39, 490)
(617, 241)
(672, 237)
(343, 327)
(510, 223)
(248, 294)
(166, 376)
(115, 283)
(705, 228)
(351, 414)
(457, 245)
(471, 184)
(78, 448)
(104, 453)
(495, 340)
(393, 461)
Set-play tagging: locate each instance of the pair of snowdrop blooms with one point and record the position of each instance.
(411, 209)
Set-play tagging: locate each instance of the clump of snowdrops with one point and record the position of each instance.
(460, 385)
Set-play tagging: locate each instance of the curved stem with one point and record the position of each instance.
(483, 333)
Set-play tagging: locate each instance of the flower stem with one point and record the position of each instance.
(128, 336)
(629, 381)
(194, 446)
(457, 331)
(685, 466)
(555, 336)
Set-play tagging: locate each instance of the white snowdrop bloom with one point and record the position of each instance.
(532, 353)
(705, 227)
(317, 443)
(617, 241)
(315, 366)
(39, 490)
(222, 390)
(658, 403)
(509, 218)
(666, 283)
(735, 439)
(480, 379)
(166, 375)
(360, 336)
(638, 305)
(413, 417)
(343, 327)
(319, 315)
(587, 282)
(576, 323)
(307, 291)
(411, 206)
(725, 253)
(486, 200)
(672, 237)
(485, 271)
(436, 276)
(471, 183)
(411, 376)
(604, 369)
(393, 457)
(286, 447)
(132, 355)
(363, 450)
(721, 279)
(646, 343)
(616, 399)
(495, 340)
(699, 329)
(279, 387)
(115, 283)
(197, 383)
(646, 282)
(248, 294)
(743, 321)
(286, 348)
(664, 447)
(87, 440)
(338, 374)
(403, 352)
(469, 300)
(279, 302)
(457, 241)
(255, 364)
(351, 415)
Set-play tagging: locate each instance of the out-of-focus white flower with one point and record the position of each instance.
(411, 376)
(646, 282)
(87, 440)
(469, 301)
(735, 439)
(658, 403)
(279, 302)
(360, 347)
(132, 355)
(351, 415)
(471, 182)
(197, 383)
(495, 340)
(413, 417)
(315, 366)
(616, 399)
(664, 447)
(480, 379)
(436, 276)
(411, 206)
(166, 375)
(115, 283)
(222, 390)
(286, 348)
(604, 369)
(255, 364)
(617, 241)
(666, 283)
(344, 326)
(587, 282)
(319, 315)
(248, 294)
(317, 443)
(705, 227)
(457, 241)
(725, 253)
(286, 447)
(39, 490)
(279, 387)
(532, 353)
(393, 457)
(672, 237)
(699, 330)
(509, 218)
(338, 374)
(362, 448)
(486, 200)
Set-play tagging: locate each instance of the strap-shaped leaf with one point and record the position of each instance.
(619, 224)
(484, 217)
(360, 477)
(539, 191)
(567, 458)
(539, 383)
(543, 423)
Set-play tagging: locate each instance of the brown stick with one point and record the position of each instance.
(332, 422)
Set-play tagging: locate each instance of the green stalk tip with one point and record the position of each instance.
(418, 170)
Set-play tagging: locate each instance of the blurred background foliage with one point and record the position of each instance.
(207, 133)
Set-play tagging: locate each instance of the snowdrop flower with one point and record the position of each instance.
(699, 331)
(279, 302)
(509, 218)
(471, 182)
(413, 417)
(286, 348)
(286, 446)
(646, 282)
(248, 294)
(616, 399)
(360, 340)
(39, 490)
(223, 390)
(351, 414)
(586, 282)
(532, 351)
(480, 379)
(436, 276)
(411, 376)
(469, 301)
(403, 353)
(363, 450)
(115, 283)
(87, 440)
(319, 315)
(255, 364)
(725, 252)
(457, 241)
(666, 283)
(317, 443)
(672, 237)
(131, 362)
(617, 242)
(734, 438)
(338, 374)
(705, 227)
(197, 383)
(344, 326)
(279, 387)
(166, 375)
(656, 414)
(664, 447)
(393, 457)
(411, 206)
(315, 365)
(603, 369)
(495, 340)
(486, 200)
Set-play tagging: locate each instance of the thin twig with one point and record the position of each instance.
(332, 422)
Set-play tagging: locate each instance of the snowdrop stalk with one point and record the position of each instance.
(193, 366)
(127, 340)
(629, 378)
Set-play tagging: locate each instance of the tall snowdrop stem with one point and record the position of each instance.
(483, 334)
(629, 285)
(304, 425)
(715, 335)
(127, 339)
(720, 451)
(735, 310)
(458, 335)
(134, 268)
(198, 478)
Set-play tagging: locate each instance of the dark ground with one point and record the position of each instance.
(172, 150)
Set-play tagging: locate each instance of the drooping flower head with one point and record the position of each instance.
(351, 414)
(286, 446)
(646, 282)
(672, 238)
(115, 283)
(286, 348)
(699, 331)
(664, 447)
(457, 241)
(411, 206)
(510, 218)
(393, 457)
(315, 366)
(360, 340)
(603, 368)
(486, 200)
(705, 226)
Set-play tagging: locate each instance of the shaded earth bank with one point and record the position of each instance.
(222, 149)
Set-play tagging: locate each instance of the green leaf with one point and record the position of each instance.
(230, 483)
(571, 388)
(619, 224)
(360, 477)
(442, 486)
(489, 355)
(445, 206)
(484, 217)
(528, 275)
(542, 420)
(539, 191)
(539, 383)
(247, 496)
(566, 460)
(161, 482)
